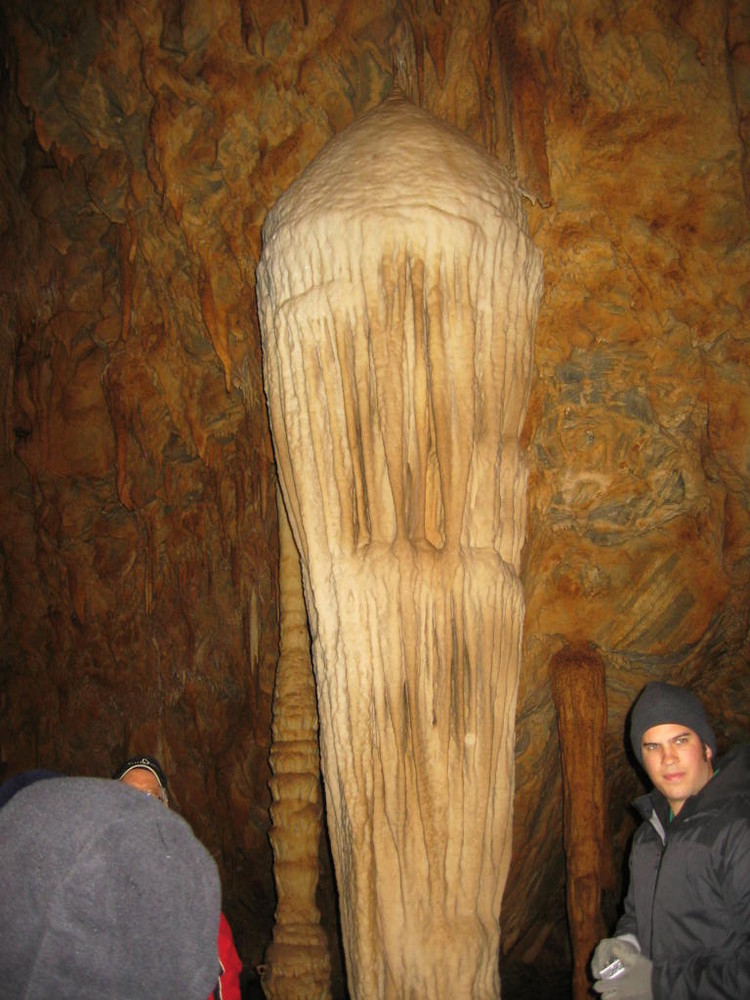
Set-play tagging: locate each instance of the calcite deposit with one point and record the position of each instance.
(142, 146)
(398, 293)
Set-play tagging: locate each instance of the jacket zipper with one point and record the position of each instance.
(662, 852)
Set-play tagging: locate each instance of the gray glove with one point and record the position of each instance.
(632, 984)
(604, 953)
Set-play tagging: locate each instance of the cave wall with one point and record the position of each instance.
(143, 144)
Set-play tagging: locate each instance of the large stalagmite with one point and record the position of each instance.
(398, 291)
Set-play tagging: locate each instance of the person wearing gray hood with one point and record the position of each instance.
(103, 893)
(685, 930)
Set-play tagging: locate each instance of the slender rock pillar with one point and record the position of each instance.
(577, 677)
(398, 290)
(298, 965)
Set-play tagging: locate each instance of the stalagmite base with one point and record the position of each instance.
(398, 292)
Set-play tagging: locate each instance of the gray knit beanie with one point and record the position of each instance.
(662, 704)
(104, 893)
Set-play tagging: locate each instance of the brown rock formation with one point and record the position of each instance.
(579, 693)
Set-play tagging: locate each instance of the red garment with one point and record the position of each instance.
(228, 986)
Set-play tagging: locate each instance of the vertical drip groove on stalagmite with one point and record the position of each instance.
(298, 964)
(398, 292)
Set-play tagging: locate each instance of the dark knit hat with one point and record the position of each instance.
(104, 893)
(662, 704)
(149, 763)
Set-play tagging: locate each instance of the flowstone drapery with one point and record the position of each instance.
(398, 291)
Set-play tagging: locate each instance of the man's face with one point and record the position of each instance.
(145, 781)
(676, 762)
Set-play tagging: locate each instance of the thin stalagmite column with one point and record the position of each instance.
(298, 965)
(398, 290)
(578, 689)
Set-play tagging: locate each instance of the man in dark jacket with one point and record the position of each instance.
(685, 930)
